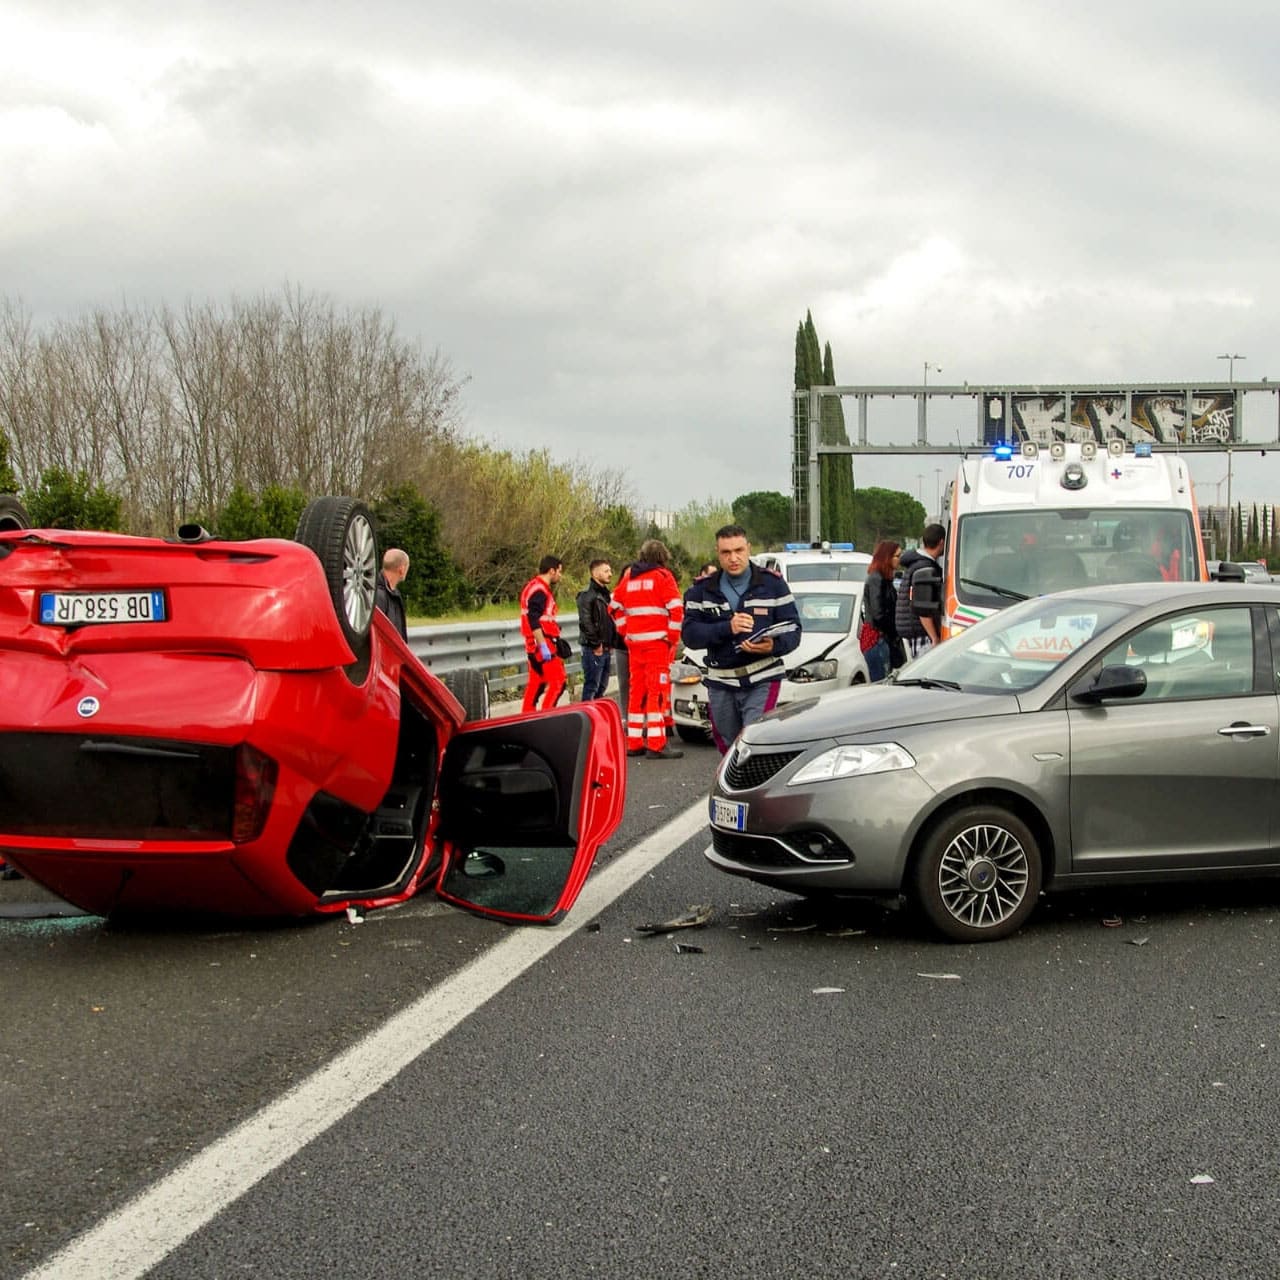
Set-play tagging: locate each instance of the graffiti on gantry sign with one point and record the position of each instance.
(1158, 417)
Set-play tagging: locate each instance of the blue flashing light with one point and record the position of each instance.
(1002, 452)
(1142, 449)
(817, 546)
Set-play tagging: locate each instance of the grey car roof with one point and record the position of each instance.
(1155, 593)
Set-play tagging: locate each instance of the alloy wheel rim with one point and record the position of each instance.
(359, 570)
(983, 876)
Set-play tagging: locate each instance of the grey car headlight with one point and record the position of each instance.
(685, 673)
(852, 762)
(810, 671)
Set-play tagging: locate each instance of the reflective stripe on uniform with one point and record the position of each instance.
(739, 677)
(767, 602)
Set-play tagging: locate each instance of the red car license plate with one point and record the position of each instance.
(80, 608)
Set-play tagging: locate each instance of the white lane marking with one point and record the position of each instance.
(146, 1230)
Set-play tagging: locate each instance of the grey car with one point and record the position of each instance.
(1104, 736)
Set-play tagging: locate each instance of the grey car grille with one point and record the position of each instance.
(771, 851)
(742, 775)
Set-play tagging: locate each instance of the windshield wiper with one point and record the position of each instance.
(990, 586)
(924, 682)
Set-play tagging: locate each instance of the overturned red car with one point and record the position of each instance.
(231, 727)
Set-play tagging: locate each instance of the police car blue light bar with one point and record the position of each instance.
(1002, 452)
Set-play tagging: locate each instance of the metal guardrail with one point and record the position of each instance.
(496, 648)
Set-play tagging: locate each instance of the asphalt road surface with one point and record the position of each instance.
(794, 1089)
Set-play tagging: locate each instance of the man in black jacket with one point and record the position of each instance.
(596, 630)
(919, 633)
(395, 568)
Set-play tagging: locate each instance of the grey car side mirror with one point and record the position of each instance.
(1110, 683)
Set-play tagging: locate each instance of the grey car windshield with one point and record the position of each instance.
(1034, 551)
(1016, 649)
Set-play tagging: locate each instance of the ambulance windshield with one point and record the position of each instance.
(1033, 552)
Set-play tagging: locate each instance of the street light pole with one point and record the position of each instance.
(1229, 518)
(1231, 366)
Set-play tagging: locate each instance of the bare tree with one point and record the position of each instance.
(173, 409)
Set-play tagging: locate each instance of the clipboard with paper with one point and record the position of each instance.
(769, 632)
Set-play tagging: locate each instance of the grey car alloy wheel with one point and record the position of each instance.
(979, 875)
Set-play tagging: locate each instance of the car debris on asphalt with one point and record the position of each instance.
(694, 918)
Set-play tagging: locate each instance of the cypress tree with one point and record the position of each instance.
(814, 366)
(812, 352)
(838, 518)
(800, 495)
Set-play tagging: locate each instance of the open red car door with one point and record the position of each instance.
(525, 802)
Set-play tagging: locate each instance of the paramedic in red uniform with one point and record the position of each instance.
(540, 629)
(650, 612)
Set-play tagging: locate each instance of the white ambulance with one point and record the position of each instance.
(1025, 520)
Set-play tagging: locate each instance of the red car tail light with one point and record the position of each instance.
(255, 787)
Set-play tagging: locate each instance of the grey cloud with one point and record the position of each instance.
(613, 219)
(273, 101)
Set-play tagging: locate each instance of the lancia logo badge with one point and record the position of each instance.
(87, 707)
(743, 752)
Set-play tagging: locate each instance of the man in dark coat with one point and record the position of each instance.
(395, 568)
(918, 633)
(596, 631)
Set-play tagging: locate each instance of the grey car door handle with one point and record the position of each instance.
(1245, 731)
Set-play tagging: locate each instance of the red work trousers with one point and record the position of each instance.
(546, 683)
(649, 695)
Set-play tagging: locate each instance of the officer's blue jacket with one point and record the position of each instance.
(707, 611)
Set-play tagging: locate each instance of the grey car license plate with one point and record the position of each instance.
(81, 608)
(728, 814)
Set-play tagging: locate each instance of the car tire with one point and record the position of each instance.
(979, 873)
(471, 688)
(687, 733)
(341, 533)
(13, 515)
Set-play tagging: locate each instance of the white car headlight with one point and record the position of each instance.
(852, 762)
(684, 673)
(807, 672)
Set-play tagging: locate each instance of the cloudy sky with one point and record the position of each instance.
(611, 217)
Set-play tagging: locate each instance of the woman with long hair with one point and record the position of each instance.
(879, 600)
